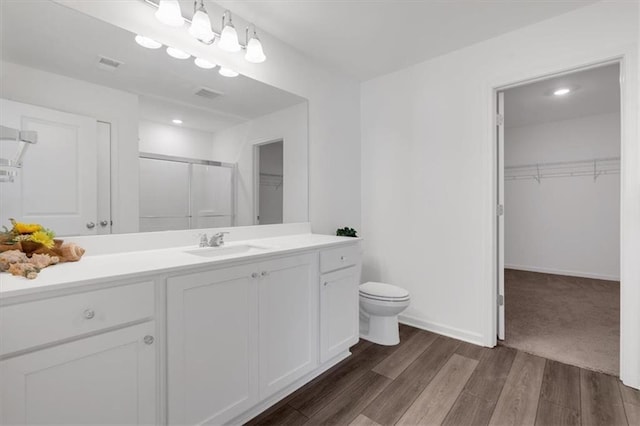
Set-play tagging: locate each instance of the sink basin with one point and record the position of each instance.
(227, 250)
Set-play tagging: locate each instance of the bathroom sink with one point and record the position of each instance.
(227, 250)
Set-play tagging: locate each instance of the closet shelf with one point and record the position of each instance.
(593, 167)
(271, 179)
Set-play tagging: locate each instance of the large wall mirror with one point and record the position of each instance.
(132, 139)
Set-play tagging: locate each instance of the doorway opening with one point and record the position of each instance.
(559, 168)
(269, 182)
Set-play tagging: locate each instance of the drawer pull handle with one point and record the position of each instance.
(148, 339)
(342, 258)
(254, 275)
(326, 283)
(264, 273)
(89, 313)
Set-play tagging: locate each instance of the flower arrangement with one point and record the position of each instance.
(32, 232)
(27, 248)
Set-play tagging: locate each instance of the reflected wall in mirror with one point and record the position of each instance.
(133, 139)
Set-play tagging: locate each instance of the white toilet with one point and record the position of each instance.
(380, 305)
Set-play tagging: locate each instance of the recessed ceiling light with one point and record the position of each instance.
(227, 72)
(147, 42)
(203, 63)
(177, 53)
(562, 91)
(176, 121)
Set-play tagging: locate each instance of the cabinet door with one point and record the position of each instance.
(212, 345)
(339, 307)
(105, 379)
(288, 321)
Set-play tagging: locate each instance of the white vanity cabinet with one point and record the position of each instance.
(288, 328)
(86, 358)
(212, 338)
(238, 334)
(215, 342)
(339, 302)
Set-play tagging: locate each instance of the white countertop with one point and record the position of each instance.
(101, 268)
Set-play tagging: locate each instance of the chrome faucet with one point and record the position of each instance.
(217, 240)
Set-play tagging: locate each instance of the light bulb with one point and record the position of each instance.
(169, 13)
(176, 121)
(227, 72)
(563, 91)
(201, 26)
(203, 63)
(147, 42)
(254, 54)
(229, 36)
(177, 53)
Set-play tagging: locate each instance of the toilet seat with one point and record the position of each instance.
(383, 292)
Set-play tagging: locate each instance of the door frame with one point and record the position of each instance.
(629, 188)
(500, 188)
(256, 176)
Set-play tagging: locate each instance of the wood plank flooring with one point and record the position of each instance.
(434, 380)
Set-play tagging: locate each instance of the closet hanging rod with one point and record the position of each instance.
(562, 163)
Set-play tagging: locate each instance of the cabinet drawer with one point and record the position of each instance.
(44, 321)
(338, 258)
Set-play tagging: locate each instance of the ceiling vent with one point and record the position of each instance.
(207, 93)
(108, 64)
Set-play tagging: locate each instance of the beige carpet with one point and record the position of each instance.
(568, 319)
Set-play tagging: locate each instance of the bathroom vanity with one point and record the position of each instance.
(179, 334)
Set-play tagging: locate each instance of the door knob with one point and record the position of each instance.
(148, 339)
(89, 313)
(254, 275)
(264, 273)
(104, 223)
(91, 225)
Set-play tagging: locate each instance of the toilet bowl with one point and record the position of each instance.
(380, 305)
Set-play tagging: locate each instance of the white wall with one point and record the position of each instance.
(428, 184)
(177, 141)
(563, 225)
(31, 86)
(334, 104)
(236, 145)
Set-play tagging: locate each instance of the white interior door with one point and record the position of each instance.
(104, 178)
(500, 214)
(57, 184)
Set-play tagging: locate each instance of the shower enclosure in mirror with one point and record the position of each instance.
(131, 139)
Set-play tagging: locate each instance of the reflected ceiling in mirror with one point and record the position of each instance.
(183, 113)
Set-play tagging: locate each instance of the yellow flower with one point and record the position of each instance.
(43, 238)
(25, 228)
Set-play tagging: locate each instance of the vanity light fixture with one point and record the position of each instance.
(254, 54)
(562, 91)
(176, 121)
(201, 24)
(227, 72)
(177, 53)
(203, 63)
(169, 13)
(147, 42)
(229, 36)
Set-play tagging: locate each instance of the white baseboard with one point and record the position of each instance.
(563, 272)
(456, 333)
(275, 398)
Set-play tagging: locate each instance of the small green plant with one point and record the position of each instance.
(346, 232)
